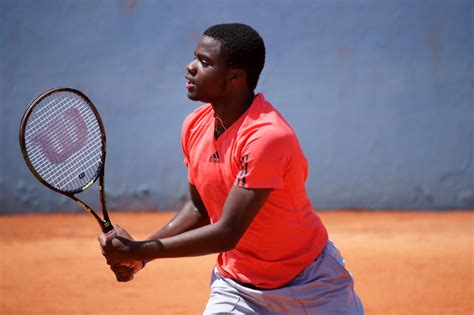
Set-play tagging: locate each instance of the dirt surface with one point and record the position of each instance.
(403, 263)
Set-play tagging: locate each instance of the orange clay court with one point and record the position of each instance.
(403, 262)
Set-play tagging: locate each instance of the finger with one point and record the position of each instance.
(114, 261)
(124, 275)
(121, 268)
(123, 278)
(121, 232)
(117, 228)
(102, 240)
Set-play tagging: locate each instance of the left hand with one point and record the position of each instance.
(125, 273)
(116, 248)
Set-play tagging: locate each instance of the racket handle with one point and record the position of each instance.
(110, 235)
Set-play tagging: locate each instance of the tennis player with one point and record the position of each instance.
(246, 174)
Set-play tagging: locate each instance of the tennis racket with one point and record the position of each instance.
(63, 142)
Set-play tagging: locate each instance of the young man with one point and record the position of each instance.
(246, 174)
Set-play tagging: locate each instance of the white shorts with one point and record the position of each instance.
(324, 287)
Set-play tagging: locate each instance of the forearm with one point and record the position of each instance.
(205, 240)
(239, 210)
(181, 241)
(188, 218)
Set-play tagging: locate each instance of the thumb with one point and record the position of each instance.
(109, 235)
(102, 240)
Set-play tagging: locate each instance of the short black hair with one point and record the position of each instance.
(242, 47)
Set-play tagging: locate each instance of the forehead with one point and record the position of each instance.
(209, 47)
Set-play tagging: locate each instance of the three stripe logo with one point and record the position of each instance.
(215, 158)
(242, 177)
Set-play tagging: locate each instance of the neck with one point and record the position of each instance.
(231, 110)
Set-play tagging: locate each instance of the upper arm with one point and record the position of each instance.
(240, 208)
(262, 168)
(197, 201)
(191, 216)
(264, 158)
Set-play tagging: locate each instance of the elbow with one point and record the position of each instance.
(228, 245)
(229, 238)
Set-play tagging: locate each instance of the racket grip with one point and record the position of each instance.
(110, 235)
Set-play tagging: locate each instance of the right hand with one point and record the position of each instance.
(125, 271)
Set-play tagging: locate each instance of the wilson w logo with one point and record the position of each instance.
(64, 136)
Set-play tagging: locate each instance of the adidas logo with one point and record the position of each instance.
(215, 158)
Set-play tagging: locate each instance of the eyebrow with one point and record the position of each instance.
(203, 56)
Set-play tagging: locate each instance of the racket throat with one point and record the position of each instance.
(105, 224)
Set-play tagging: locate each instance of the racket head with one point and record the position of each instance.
(63, 141)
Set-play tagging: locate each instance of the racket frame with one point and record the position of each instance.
(105, 224)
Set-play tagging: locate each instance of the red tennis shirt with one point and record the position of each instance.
(259, 150)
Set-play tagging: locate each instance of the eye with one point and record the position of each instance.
(204, 62)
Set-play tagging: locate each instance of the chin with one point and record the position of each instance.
(192, 97)
(197, 98)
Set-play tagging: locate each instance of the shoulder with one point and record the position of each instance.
(196, 118)
(265, 125)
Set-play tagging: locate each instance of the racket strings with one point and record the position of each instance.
(63, 141)
(44, 115)
(37, 151)
(56, 175)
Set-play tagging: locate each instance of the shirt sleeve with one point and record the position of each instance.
(263, 159)
(185, 135)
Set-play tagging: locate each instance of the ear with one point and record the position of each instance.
(238, 75)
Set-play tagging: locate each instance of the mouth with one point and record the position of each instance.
(189, 82)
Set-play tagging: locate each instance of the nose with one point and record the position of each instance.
(191, 67)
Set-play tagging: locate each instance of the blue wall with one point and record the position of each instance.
(380, 93)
